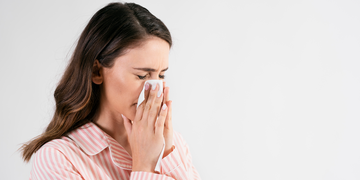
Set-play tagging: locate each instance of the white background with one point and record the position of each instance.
(261, 89)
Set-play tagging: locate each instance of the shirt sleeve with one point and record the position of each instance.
(178, 164)
(140, 175)
(175, 166)
(50, 163)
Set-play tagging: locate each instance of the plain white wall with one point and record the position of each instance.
(273, 92)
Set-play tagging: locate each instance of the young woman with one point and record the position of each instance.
(97, 131)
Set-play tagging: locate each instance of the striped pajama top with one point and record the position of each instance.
(90, 153)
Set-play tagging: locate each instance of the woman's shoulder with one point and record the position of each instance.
(63, 144)
(87, 140)
(56, 157)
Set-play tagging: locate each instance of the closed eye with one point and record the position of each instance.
(143, 77)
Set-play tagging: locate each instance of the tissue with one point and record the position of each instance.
(153, 83)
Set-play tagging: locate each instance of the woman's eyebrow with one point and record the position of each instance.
(150, 69)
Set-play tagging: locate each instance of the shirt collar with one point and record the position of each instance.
(92, 140)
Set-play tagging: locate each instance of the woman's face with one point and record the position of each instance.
(123, 83)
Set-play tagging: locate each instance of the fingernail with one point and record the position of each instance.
(146, 86)
(159, 93)
(123, 117)
(164, 107)
(153, 87)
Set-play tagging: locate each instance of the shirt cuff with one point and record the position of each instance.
(140, 175)
(170, 162)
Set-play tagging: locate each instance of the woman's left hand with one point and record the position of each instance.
(168, 129)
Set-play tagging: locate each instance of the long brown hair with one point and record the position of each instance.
(111, 31)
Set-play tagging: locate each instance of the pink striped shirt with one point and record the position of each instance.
(89, 153)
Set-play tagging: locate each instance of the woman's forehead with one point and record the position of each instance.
(152, 54)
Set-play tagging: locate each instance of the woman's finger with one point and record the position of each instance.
(149, 103)
(153, 113)
(168, 130)
(166, 94)
(168, 120)
(139, 111)
(127, 124)
(147, 92)
(168, 103)
(164, 84)
(159, 125)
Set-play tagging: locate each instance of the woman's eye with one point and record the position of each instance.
(142, 77)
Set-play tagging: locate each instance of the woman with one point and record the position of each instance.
(97, 131)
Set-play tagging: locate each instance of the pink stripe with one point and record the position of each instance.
(39, 168)
(37, 164)
(61, 161)
(43, 164)
(94, 133)
(134, 176)
(74, 156)
(84, 141)
(99, 167)
(104, 165)
(89, 140)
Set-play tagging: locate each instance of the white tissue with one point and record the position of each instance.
(153, 83)
(140, 100)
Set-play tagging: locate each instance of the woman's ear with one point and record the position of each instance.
(97, 73)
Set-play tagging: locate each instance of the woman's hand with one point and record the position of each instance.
(168, 129)
(145, 134)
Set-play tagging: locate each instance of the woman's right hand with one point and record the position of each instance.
(145, 134)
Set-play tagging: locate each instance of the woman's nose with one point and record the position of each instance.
(158, 78)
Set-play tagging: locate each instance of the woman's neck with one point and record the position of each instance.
(113, 124)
